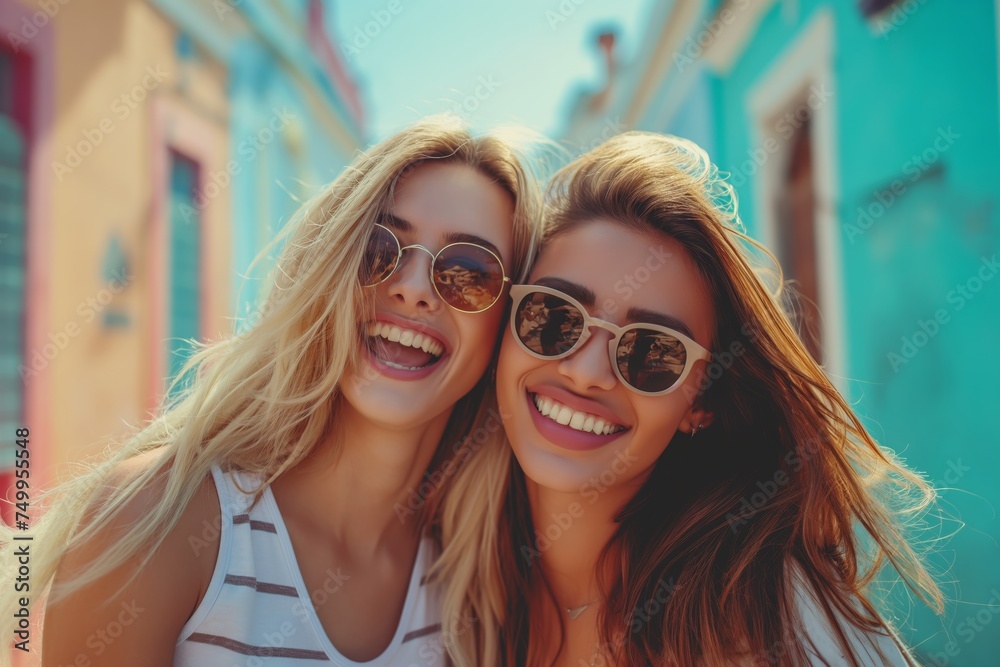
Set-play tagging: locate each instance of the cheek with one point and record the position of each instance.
(658, 421)
(479, 333)
(513, 363)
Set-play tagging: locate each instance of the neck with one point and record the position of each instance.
(360, 483)
(572, 529)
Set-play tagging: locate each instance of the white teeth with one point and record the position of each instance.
(567, 416)
(406, 337)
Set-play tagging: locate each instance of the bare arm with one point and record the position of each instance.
(141, 624)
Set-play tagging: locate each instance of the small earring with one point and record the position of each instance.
(695, 429)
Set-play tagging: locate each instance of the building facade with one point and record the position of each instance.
(863, 142)
(148, 151)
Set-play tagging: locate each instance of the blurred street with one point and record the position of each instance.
(149, 150)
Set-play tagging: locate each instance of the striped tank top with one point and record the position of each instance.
(257, 611)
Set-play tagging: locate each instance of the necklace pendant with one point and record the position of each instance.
(575, 613)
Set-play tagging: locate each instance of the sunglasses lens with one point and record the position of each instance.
(547, 325)
(650, 360)
(468, 277)
(380, 258)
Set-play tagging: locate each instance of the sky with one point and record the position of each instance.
(495, 63)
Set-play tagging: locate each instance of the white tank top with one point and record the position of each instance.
(257, 611)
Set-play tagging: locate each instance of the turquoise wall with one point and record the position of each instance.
(918, 275)
(283, 114)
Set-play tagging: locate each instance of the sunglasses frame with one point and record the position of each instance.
(434, 256)
(693, 351)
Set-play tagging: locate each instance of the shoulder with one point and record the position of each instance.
(155, 595)
(821, 637)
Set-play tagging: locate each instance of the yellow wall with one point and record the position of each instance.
(101, 381)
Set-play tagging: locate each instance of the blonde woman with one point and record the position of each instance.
(686, 486)
(277, 513)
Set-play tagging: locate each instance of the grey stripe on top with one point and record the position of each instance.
(254, 524)
(263, 651)
(260, 586)
(417, 634)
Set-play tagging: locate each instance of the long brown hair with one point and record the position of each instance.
(785, 490)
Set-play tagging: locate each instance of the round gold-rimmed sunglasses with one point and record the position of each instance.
(649, 359)
(467, 276)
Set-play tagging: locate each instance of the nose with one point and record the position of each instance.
(589, 367)
(410, 285)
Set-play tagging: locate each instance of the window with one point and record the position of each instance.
(185, 259)
(796, 213)
(13, 271)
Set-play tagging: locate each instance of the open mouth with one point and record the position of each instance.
(564, 415)
(401, 348)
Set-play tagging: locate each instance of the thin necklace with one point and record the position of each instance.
(574, 612)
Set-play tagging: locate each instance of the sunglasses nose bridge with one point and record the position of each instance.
(425, 292)
(417, 246)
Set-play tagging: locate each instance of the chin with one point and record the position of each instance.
(552, 470)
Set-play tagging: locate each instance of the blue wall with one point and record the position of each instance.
(932, 78)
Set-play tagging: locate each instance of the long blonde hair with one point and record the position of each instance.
(843, 507)
(260, 400)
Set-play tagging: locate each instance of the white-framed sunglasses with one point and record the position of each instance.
(649, 359)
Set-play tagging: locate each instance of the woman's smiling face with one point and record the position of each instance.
(616, 273)
(399, 383)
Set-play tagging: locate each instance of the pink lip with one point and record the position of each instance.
(576, 402)
(564, 436)
(399, 373)
(415, 326)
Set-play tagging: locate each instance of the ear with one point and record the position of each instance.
(697, 417)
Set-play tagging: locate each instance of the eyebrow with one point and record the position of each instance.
(399, 224)
(634, 314)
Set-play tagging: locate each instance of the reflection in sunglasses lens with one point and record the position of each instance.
(380, 257)
(468, 277)
(548, 325)
(650, 360)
